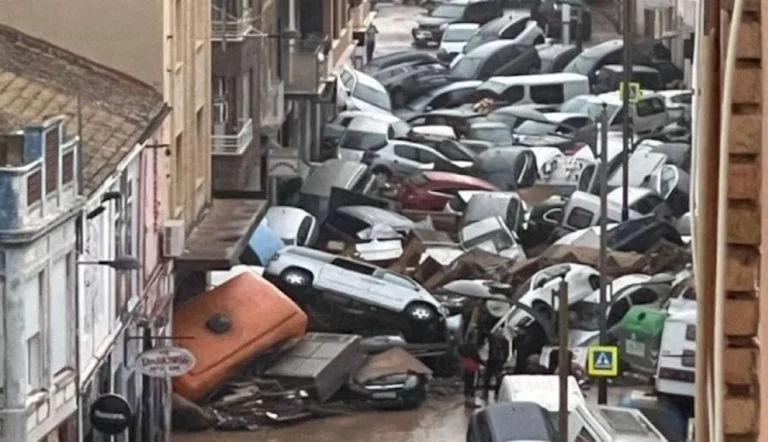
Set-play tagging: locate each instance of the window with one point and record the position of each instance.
(353, 266)
(594, 281)
(246, 102)
(52, 160)
(397, 279)
(513, 94)
(618, 311)
(61, 333)
(302, 234)
(647, 204)
(345, 121)
(682, 98)
(649, 107)
(548, 94)
(407, 152)
(359, 140)
(35, 291)
(347, 224)
(585, 436)
(690, 333)
(643, 296)
(68, 168)
(34, 363)
(178, 35)
(688, 358)
(579, 218)
(34, 187)
(426, 157)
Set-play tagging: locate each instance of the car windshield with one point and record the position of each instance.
(478, 39)
(448, 11)
(357, 140)
(372, 96)
(585, 315)
(574, 104)
(496, 135)
(467, 68)
(580, 65)
(532, 127)
(454, 34)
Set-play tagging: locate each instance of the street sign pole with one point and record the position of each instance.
(628, 43)
(565, 16)
(602, 386)
(564, 360)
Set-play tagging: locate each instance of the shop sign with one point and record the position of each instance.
(111, 414)
(165, 362)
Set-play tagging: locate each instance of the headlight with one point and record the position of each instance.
(443, 26)
(411, 382)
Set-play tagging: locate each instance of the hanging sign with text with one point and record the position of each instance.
(165, 362)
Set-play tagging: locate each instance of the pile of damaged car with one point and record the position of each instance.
(442, 215)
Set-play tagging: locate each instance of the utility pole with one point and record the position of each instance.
(564, 360)
(565, 15)
(626, 126)
(602, 386)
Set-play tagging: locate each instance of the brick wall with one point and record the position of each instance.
(742, 353)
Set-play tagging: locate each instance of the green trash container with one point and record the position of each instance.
(638, 335)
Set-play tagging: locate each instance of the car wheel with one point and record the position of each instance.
(382, 172)
(296, 278)
(421, 312)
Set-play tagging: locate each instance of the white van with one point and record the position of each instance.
(542, 89)
(649, 115)
(676, 370)
(586, 422)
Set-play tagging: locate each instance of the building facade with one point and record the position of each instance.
(39, 205)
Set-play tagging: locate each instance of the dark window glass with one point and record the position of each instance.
(580, 218)
(585, 436)
(682, 98)
(346, 223)
(513, 94)
(643, 296)
(548, 94)
(406, 152)
(690, 333)
(353, 266)
(426, 156)
(688, 358)
(304, 229)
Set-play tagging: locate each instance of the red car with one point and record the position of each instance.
(432, 190)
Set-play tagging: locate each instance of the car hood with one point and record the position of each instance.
(452, 47)
(427, 21)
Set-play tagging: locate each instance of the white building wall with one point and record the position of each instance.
(38, 309)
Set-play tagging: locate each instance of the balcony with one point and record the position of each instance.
(233, 143)
(231, 25)
(305, 65)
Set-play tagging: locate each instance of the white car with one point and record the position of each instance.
(404, 158)
(492, 235)
(364, 92)
(540, 292)
(296, 227)
(347, 281)
(454, 39)
(523, 31)
(363, 134)
(678, 103)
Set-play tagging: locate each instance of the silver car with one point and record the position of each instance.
(301, 268)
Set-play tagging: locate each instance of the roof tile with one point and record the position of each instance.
(38, 79)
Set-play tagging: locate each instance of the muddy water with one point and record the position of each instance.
(442, 419)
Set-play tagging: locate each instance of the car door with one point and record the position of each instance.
(348, 278)
(396, 292)
(406, 159)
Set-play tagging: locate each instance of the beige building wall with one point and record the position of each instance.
(165, 43)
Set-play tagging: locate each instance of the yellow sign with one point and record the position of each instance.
(635, 93)
(603, 361)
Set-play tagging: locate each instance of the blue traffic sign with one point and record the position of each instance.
(603, 361)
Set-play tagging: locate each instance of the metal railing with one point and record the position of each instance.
(230, 24)
(304, 65)
(234, 144)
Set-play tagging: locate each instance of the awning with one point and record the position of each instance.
(217, 242)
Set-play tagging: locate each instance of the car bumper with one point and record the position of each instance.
(426, 36)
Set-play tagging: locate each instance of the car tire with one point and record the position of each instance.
(296, 278)
(420, 312)
(383, 172)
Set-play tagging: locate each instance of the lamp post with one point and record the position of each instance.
(602, 385)
(626, 129)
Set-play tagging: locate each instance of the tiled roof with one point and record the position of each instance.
(38, 80)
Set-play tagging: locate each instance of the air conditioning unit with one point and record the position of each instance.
(173, 238)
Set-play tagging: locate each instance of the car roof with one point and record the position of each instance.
(559, 117)
(455, 86)
(367, 80)
(367, 124)
(538, 79)
(374, 215)
(602, 48)
(458, 178)
(331, 173)
(615, 98)
(487, 49)
(553, 50)
(307, 252)
(388, 118)
(635, 68)
(464, 26)
(496, 25)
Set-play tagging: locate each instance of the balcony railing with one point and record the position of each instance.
(229, 25)
(234, 144)
(305, 65)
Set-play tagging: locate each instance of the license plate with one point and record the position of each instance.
(423, 34)
(634, 348)
(385, 395)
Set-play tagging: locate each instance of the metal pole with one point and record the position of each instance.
(580, 27)
(626, 127)
(602, 386)
(565, 16)
(564, 362)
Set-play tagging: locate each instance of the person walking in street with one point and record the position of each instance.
(498, 354)
(470, 362)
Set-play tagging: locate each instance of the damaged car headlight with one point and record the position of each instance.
(411, 383)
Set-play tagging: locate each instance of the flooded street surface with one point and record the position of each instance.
(441, 419)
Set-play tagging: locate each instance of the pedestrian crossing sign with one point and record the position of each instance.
(603, 361)
(635, 93)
